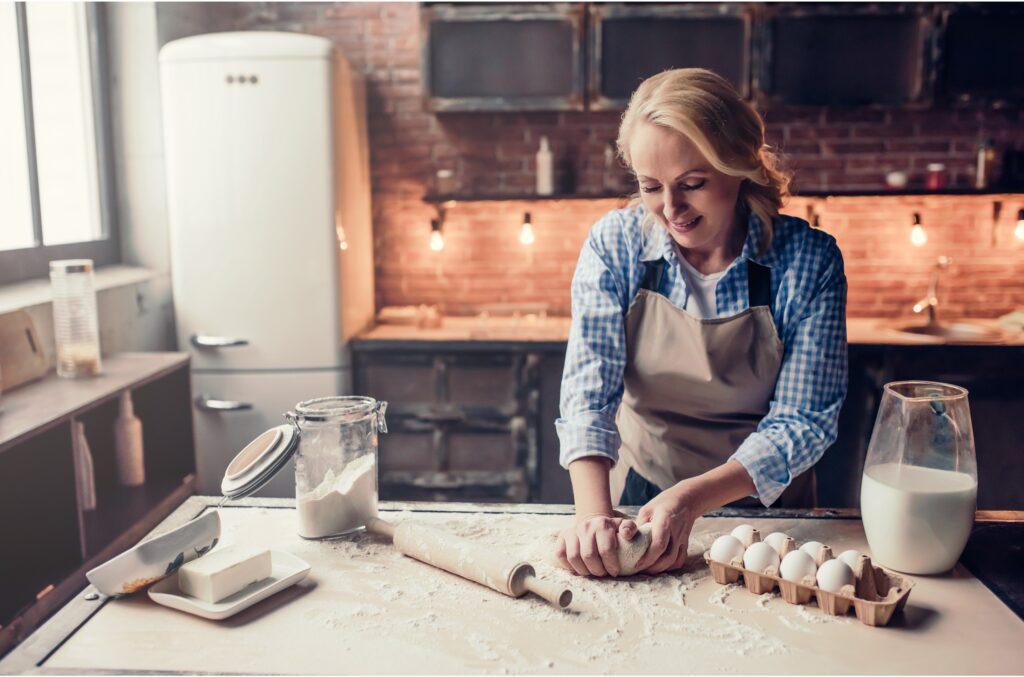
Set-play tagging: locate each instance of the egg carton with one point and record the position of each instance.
(875, 597)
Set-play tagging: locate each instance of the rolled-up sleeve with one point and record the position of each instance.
(596, 353)
(803, 416)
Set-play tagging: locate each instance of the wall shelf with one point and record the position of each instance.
(53, 543)
(447, 200)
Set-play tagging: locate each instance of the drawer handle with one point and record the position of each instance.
(209, 404)
(203, 341)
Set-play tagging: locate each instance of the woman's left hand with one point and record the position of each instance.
(671, 514)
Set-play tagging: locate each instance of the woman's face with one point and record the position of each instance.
(695, 202)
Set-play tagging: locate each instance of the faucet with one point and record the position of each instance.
(931, 302)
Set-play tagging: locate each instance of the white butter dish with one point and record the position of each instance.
(287, 569)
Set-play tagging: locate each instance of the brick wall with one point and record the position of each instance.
(483, 261)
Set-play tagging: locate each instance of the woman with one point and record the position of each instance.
(707, 357)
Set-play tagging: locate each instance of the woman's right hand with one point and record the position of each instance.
(591, 546)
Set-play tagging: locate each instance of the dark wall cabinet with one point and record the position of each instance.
(591, 56)
(630, 42)
(498, 57)
(982, 52)
(847, 54)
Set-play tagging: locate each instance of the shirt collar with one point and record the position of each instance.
(658, 244)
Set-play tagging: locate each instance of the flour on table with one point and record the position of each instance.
(611, 624)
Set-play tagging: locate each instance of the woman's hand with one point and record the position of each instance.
(671, 514)
(591, 546)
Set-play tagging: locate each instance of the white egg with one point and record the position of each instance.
(798, 565)
(744, 533)
(812, 548)
(759, 557)
(726, 548)
(776, 539)
(834, 574)
(850, 557)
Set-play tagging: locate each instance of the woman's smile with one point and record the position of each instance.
(682, 227)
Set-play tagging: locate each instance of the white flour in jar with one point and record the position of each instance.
(341, 502)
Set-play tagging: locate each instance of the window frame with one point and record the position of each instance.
(19, 265)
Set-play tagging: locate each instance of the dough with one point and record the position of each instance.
(630, 552)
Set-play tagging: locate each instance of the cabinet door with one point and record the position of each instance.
(846, 54)
(503, 57)
(631, 42)
(982, 52)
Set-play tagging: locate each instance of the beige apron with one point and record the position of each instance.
(695, 389)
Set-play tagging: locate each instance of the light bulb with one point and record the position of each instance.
(436, 241)
(526, 236)
(917, 235)
(436, 238)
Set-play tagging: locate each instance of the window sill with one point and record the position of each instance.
(37, 292)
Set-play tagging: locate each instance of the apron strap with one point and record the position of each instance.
(759, 285)
(653, 276)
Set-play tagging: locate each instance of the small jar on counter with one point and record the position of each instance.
(75, 324)
(935, 178)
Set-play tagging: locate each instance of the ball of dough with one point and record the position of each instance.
(630, 552)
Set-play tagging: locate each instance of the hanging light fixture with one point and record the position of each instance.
(918, 236)
(436, 238)
(1018, 232)
(526, 236)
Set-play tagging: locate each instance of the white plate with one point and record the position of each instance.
(286, 570)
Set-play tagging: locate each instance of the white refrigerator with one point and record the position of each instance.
(270, 226)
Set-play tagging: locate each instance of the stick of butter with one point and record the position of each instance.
(223, 572)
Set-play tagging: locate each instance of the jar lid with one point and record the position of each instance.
(71, 266)
(259, 461)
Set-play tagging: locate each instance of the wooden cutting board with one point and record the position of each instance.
(22, 358)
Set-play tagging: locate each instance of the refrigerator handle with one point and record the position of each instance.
(209, 404)
(202, 341)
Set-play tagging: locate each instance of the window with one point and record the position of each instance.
(54, 154)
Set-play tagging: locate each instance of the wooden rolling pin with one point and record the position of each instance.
(467, 559)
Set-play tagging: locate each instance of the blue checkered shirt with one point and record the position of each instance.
(809, 307)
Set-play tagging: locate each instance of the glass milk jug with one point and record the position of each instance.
(920, 484)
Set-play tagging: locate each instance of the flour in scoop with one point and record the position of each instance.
(342, 502)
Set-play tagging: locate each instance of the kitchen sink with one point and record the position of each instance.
(955, 331)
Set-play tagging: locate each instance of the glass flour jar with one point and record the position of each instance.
(336, 463)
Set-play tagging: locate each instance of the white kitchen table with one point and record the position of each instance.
(366, 609)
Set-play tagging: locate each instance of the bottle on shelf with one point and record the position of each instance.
(131, 468)
(545, 169)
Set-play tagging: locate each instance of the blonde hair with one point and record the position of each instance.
(706, 109)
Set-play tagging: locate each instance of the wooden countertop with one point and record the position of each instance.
(555, 330)
(366, 609)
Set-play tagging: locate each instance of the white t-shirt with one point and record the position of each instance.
(701, 303)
